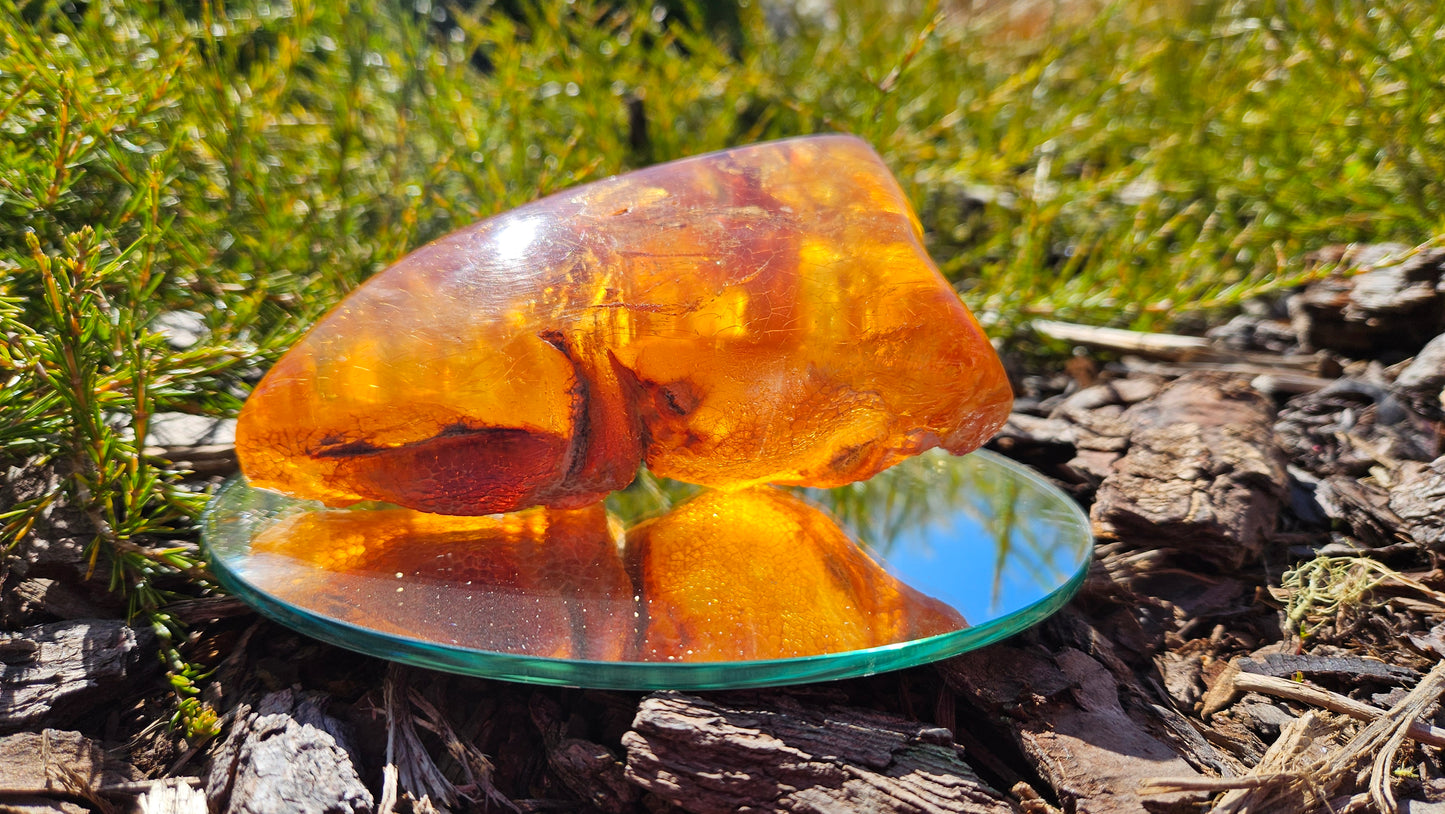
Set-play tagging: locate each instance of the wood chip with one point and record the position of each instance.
(55, 760)
(1242, 682)
(1392, 302)
(1202, 476)
(778, 755)
(1284, 664)
(287, 755)
(1064, 711)
(172, 797)
(1419, 501)
(1304, 767)
(409, 772)
(51, 675)
(1402, 722)
(1278, 775)
(32, 804)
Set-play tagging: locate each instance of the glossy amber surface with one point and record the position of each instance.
(701, 583)
(766, 314)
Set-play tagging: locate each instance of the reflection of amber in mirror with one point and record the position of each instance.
(762, 574)
(544, 582)
(727, 576)
(762, 315)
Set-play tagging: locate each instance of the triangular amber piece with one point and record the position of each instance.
(766, 314)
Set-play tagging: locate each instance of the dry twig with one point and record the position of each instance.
(1284, 775)
(1407, 714)
(1172, 347)
(475, 765)
(1235, 681)
(409, 769)
(1295, 777)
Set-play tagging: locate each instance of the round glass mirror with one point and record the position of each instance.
(667, 585)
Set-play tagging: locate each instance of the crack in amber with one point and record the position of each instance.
(762, 315)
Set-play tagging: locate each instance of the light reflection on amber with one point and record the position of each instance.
(761, 574)
(727, 576)
(762, 315)
(544, 582)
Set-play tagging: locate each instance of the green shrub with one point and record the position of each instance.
(251, 161)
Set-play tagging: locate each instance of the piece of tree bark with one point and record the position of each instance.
(1281, 665)
(52, 674)
(48, 574)
(1202, 476)
(777, 755)
(1097, 412)
(1394, 302)
(287, 755)
(1028, 437)
(56, 761)
(1361, 506)
(1419, 501)
(1064, 712)
(1422, 383)
(590, 770)
(36, 599)
(31, 804)
(176, 796)
(595, 774)
(1353, 426)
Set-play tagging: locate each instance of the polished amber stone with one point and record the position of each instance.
(762, 574)
(766, 314)
(700, 583)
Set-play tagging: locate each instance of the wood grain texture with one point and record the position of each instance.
(1202, 472)
(51, 675)
(55, 761)
(287, 755)
(1064, 710)
(774, 754)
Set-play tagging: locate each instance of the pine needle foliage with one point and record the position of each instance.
(250, 161)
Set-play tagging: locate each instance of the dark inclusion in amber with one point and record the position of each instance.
(727, 576)
(762, 315)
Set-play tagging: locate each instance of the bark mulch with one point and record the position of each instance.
(1261, 629)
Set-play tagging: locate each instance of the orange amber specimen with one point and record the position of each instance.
(761, 574)
(766, 314)
(545, 582)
